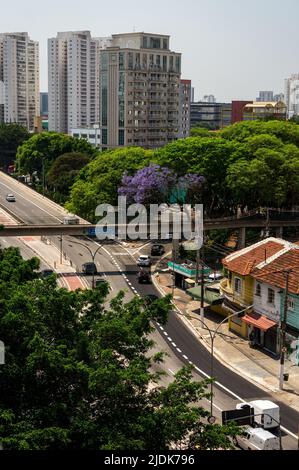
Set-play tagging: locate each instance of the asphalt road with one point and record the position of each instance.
(113, 260)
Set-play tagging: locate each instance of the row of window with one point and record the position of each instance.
(258, 293)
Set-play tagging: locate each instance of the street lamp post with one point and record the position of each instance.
(213, 335)
(92, 254)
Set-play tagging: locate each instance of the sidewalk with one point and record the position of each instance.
(231, 350)
(50, 254)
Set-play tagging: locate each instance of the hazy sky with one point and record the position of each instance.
(231, 48)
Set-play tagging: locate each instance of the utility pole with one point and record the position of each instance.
(283, 331)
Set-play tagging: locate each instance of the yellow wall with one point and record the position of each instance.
(246, 295)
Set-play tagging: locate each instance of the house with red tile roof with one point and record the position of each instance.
(256, 278)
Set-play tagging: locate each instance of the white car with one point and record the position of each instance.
(257, 439)
(10, 198)
(144, 260)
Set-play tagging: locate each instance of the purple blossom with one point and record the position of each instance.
(156, 184)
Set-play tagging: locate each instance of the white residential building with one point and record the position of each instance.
(91, 134)
(73, 80)
(292, 95)
(19, 74)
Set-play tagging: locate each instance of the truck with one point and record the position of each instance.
(266, 413)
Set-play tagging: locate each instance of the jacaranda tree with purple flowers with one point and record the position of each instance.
(155, 185)
(150, 185)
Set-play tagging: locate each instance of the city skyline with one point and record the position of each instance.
(218, 41)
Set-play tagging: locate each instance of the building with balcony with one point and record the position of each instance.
(73, 77)
(184, 112)
(19, 79)
(210, 115)
(256, 282)
(139, 91)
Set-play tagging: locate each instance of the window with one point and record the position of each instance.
(121, 137)
(238, 285)
(291, 304)
(104, 136)
(130, 58)
(121, 60)
(271, 296)
(258, 290)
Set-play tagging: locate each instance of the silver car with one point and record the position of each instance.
(144, 260)
(10, 198)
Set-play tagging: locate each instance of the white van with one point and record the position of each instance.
(266, 413)
(257, 439)
(71, 219)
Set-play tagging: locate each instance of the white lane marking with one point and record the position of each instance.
(171, 371)
(185, 357)
(179, 350)
(191, 363)
(165, 333)
(173, 344)
(140, 248)
(161, 328)
(44, 210)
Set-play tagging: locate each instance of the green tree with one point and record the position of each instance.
(11, 136)
(77, 374)
(46, 147)
(63, 173)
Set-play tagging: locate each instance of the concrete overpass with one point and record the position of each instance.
(209, 224)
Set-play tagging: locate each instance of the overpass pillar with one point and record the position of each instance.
(242, 238)
(279, 232)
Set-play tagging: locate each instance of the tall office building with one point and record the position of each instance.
(73, 81)
(139, 91)
(19, 74)
(184, 110)
(292, 95)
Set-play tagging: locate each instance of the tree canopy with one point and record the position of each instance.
(250, 163)
(77, 373)
(11, 137)
(63, 172)
(46, 147)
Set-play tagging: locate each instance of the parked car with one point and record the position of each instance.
(10, 198)
(256, 439)
(89, 268)
(46, 273)
(144, 277)
(216, 276)
(157, 250)
(144, 260)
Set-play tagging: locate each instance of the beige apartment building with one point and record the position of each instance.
(19, 79)
(139, 91)
(73, 80)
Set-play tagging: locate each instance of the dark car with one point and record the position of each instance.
(89, 268)
(144, 277)
(150, 298)
(157, 250)
(99, 282)
(46, 273)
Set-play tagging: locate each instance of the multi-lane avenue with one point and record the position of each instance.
(175, 338)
